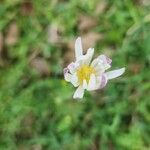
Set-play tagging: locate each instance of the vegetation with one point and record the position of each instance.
(37, 111)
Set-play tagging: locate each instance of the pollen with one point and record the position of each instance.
(84, 73)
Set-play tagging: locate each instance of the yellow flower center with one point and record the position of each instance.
(84, 73)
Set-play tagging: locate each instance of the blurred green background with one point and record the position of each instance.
(37, 111)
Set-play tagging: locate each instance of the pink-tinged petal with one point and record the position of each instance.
(103, 81)
(109, 61)
(115, 73)
(67, 77)
(78, 48)
(72, 67)
(98, 66)
(66, 70)
(92, 83)
(105, 59)
(79, 92)
(101, 63)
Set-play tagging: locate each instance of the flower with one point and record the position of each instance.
(87, 75)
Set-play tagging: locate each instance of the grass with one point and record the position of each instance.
(36, 106)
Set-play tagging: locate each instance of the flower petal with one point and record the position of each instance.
(66, 70)
(86, 59)
(79, 92)
(115, 73)
(72, 67)
(89, 55)
(92, 83)
(84, 84)
(95, 62)
(67, 77)
(74, 80)
(98, 66)
(105, 61)
(78, 48)
(103, 81)
(101, 63)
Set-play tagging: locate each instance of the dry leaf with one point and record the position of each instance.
(1, 44)
(22, 147)
(41, 66)
(26, 8)
(101, 6)
(135, 68)
(27, 124)
(36, 147)
(53, 34)
(134, 96)
(2, 52)
(144, 2)
(68, 55)
(86, 23)
(12, 34)
(108, 51)
(90, 39)
(28, 120)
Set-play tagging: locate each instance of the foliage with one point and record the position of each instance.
(36, 106)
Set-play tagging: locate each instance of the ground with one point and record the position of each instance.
(36, 105)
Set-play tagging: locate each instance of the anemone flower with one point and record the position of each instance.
(89, 75)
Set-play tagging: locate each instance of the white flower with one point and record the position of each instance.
(87, 75)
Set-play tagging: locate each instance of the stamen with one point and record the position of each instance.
(84, 73)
